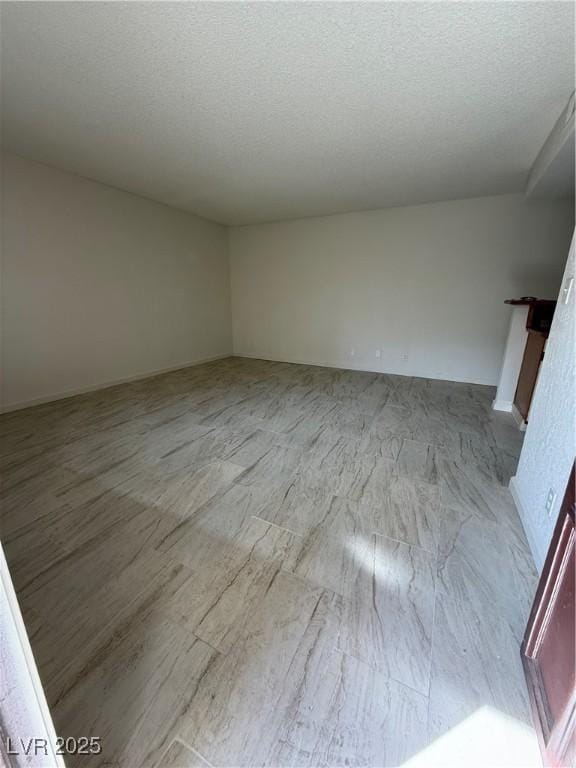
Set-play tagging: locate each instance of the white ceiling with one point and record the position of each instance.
(247, 112)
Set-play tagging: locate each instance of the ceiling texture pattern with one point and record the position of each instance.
(257, 111)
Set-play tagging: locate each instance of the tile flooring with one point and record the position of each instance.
(250, 563)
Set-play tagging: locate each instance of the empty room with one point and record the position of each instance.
(287, 390)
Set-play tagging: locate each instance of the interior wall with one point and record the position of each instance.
(25, 712)
(100, 286)
(424, 285)
(550, 442)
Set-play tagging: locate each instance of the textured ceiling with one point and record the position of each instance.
(247, 112)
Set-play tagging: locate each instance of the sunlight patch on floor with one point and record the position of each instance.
(488, 737)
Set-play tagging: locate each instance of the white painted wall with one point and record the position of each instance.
(99, 285)
(550, 442)
(512, 360)
(425, 284)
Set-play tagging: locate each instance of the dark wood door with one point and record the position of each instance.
(548, 649)
(533, 354)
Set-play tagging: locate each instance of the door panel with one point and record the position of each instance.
(548, 650)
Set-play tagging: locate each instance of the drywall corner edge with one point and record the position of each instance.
(26, 714)
(557, 150)
(228, 252)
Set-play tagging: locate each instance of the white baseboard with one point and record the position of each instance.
(109, 383)
(502, 405)
(518, 418)
(320, 363)
(505, 406)
(525, 520)
(346, 365)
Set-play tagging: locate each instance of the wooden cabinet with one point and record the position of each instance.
(533, 355)
(538, 323)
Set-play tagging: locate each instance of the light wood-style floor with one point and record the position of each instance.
(249, 563)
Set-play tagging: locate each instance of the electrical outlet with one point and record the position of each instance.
(567, 289)
(378, 353)
(550, 499)
(352, 352)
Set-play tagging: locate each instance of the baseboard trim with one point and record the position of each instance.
(518, 418)
(344, 365)
(524, 518)
(347, 366)
(107, 384)
(502, 405)
(319, 364)
(505, 406)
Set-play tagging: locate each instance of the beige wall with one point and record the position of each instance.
(99, 285)
(423, 284)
